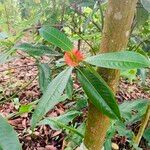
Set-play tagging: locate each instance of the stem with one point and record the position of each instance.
(62, 13)
(92, 49)
(143, 126)
(80, 32)
(117, 26)
(102, 15)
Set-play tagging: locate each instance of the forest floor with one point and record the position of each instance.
(17, 89)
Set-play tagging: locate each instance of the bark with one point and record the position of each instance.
(117, 25)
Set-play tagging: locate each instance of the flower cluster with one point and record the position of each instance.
(73, 58)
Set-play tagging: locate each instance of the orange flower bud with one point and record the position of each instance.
(73, 58)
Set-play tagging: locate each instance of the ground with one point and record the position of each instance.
(15, 84)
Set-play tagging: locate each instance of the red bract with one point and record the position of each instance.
(73, 58)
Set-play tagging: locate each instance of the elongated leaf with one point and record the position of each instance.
(8, 137)
(107, 144)
(139, 106)
(56, 37)
(63, 126)
(69, 88)
(37, 50)
(81, 103)
(119, 60)
(123, 131)
(146, 134)
(44, 76)
(128, 106)
(65, 119)
(52, 95)
(68, 116)
(99, 93)
(76, 140)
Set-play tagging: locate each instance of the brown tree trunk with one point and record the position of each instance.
(117, 25)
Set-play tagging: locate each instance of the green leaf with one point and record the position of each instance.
(128, 106)
(146, 134)
(123, 131)
(119, 60)
(64, 126)
(111, 130)
(81, 103)
(52, 96)
(146, 4)
(69, 88)
(74, 139)
(25, 108)
(107, 144)
(142, 15)
(129, 74)
(143, 75)
(68, 116)
(44, 76)
(56, 37)
(65, 119)
(98, 92)
(37, 50)
(8, 137)
(138, 106)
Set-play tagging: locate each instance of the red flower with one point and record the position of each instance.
(73, 58)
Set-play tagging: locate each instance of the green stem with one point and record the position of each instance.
(143, 126)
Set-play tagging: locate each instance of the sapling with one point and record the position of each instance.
(99, 85)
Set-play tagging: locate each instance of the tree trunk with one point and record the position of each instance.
(117, 25)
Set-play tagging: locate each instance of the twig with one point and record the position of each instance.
(141, 42)
(102, 15)
(92, 49)
(79, 41)
(91, 20)
(143, 126)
